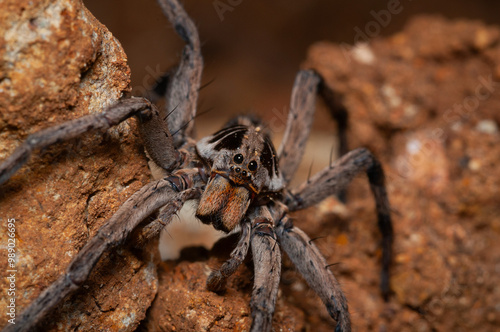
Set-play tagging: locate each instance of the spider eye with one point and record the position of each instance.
(238, 158)
(252, 166)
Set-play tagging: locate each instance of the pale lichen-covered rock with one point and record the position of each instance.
(57, 63)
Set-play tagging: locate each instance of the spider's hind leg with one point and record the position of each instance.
(313, 267)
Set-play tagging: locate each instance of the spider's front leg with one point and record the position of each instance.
(112, 116)
(216, 282)
(166, 131)
(334, 179)
(298, 127)
(267, 269)
(183, 84)
(302, 107)
(313, 267)
(163, 193)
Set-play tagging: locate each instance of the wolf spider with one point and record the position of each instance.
(237, 177)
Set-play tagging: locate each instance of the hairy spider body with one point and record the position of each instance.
(242, 164)
(238, 178)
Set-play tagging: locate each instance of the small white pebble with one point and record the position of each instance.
(456, 126)
(487, 127)
(298, 286)
(416, 238)
(361, 52)
(413, 146)
(390, 93)
(474, 165)
(411, 110)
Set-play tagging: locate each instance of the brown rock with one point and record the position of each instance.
(427, 104)
(184, 303)
(57, 62)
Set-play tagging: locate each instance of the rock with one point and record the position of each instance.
(184, 303)
(57, 63)
(427, 105)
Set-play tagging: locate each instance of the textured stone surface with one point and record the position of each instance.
(426, 101)
(184, 303)
(57, 62)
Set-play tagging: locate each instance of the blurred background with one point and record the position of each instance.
(253, 49)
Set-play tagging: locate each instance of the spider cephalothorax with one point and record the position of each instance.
(242, 164)
(239, 180)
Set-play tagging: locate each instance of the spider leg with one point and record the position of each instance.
(151, 197)
(181, 180)
(158, 140)
(300, 118)
(313, 267)
(298, 127)
(334, 179)
(338, 112)
(267, 270)
(216, 282)
(112, 116)
(184, 83)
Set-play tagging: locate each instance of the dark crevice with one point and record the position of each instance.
(86, 212)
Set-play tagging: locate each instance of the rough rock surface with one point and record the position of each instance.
(426, 102)
(183, 302)
(57, 63)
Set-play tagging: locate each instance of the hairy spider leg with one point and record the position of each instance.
(110, 117)
(267, 269)
(302, 107)
(299, 122)
(181, 180)
(161, 193)
(334, 179)
(184, 82)
(216, 282)
(313, 267)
